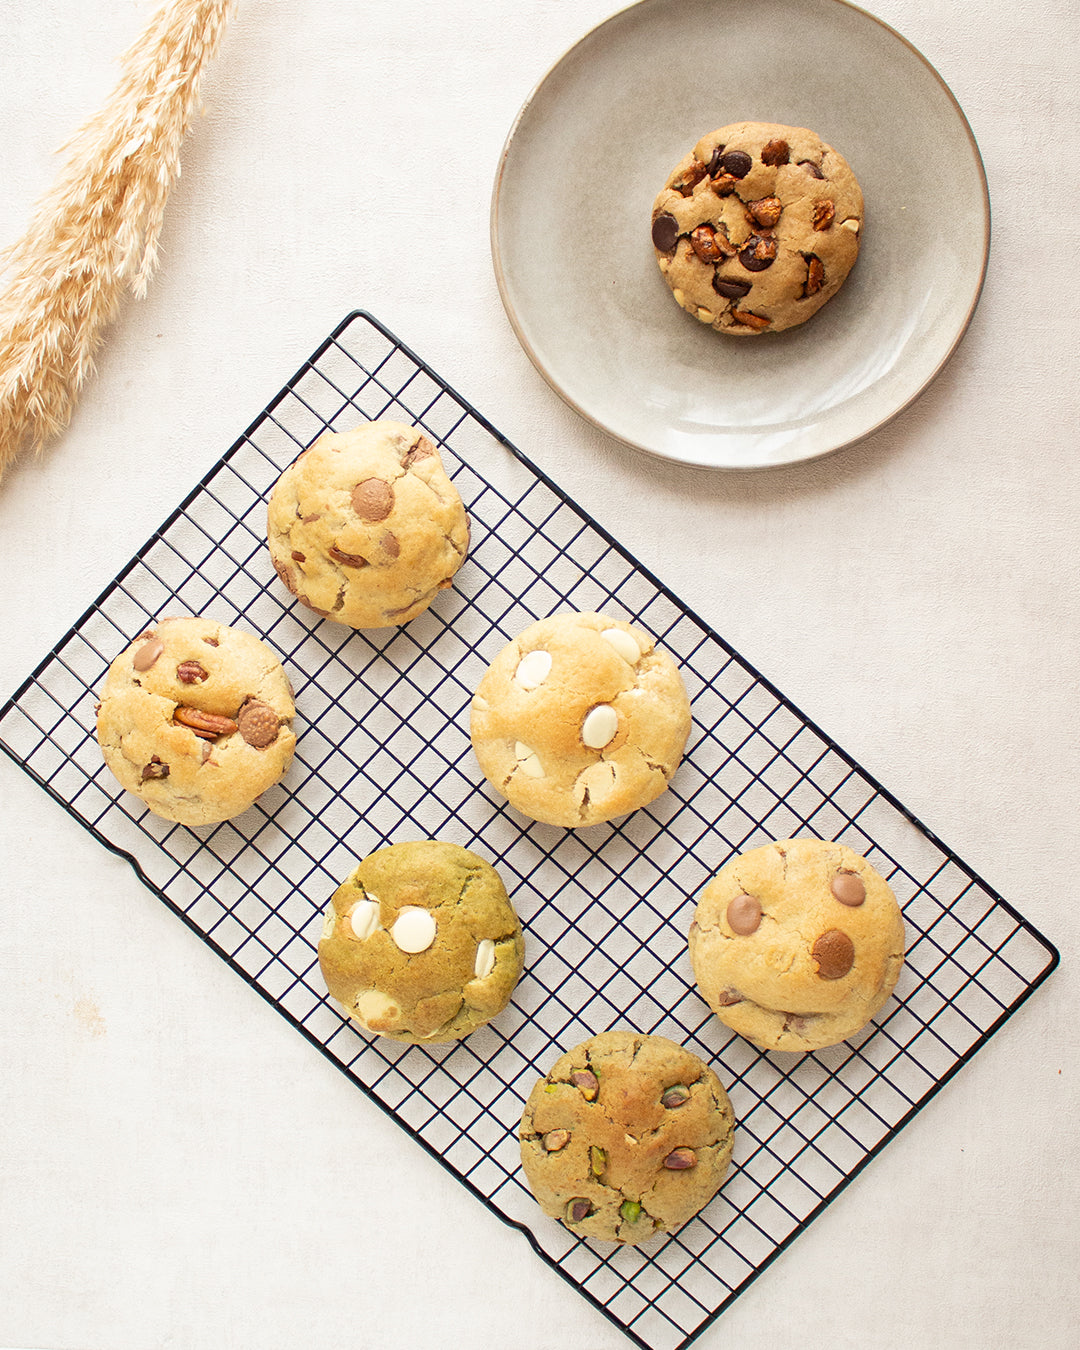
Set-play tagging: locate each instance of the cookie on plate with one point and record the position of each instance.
(627, 1136)
(195, 718)
(421, 942)
(580, 719)
(365, 527)
(757, 227)
(797, 945)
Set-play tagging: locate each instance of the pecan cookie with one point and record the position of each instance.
(580, 719)
(365, 527)
(797, 945)
(195, 718)
(757, 227)
(627, 1136)
(421, 942)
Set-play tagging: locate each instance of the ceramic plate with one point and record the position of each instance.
(595, 142)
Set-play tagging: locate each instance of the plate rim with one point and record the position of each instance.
(529, 350)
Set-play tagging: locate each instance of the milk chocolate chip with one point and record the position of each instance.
(849, 889)
(834, 953)
(665, 232)
(811, 168)
(744, 915)
(148, 654)
(258, 724)
(373, 499)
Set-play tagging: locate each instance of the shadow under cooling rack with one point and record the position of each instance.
(384, 755)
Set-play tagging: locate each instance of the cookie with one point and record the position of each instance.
(757, 227)
(421, 943)
(797, 945)
(195, 719)
(580, 719)
(627, 1136)
(365, 527)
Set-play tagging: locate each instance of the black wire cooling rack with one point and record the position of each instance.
(384, 755)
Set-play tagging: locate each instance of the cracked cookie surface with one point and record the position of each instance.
(580, 719)
(196, 720)
(628, 1135)
(365, 527)
(757, 227)
(421, 942)
(797, 945)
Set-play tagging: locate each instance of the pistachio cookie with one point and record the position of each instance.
(580, 719)
(627, 1136)
(421, 942)
(195, 718)
(757, 227)
(797, 945)
(365, 527)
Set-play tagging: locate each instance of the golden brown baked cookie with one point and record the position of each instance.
(627, 1136)
(195, 718)
(421, 942)
(757, 227)
(797, 945)
(580, 719)
(365, 527)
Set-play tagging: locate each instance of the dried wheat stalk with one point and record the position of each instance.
(96, 231)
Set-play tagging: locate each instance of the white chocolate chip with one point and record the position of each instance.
(623, 643)
(533, 669)
(364, 918)
(704, 315)
(600, 725)
(329, 919)
(373, 1009)
(480, 704)
(485, 959)
(680, 296)
(414, 929)
(528, 760)
(850, 224)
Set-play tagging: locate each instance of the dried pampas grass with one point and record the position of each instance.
(96, 232)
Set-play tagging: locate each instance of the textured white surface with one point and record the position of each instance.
(177, 1167)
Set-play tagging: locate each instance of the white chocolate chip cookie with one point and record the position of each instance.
(627, 1136)
(757, 227)
(580, 719)
(365, 527)
(196, 719)
(421, 943)
(797, 945)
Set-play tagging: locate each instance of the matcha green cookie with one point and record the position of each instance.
(627, 1136)
(797, 945)
(421, 943)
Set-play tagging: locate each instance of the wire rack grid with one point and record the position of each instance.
(384, 755)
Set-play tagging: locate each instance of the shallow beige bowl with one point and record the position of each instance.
(593, 145)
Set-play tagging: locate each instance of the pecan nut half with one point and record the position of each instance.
(208, 725)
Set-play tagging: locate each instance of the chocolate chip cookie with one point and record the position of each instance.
(421, 942)
(797, 945)
(365, 527)
(580, 719)
(627, 1136)
(195, 718)
(757, 227)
